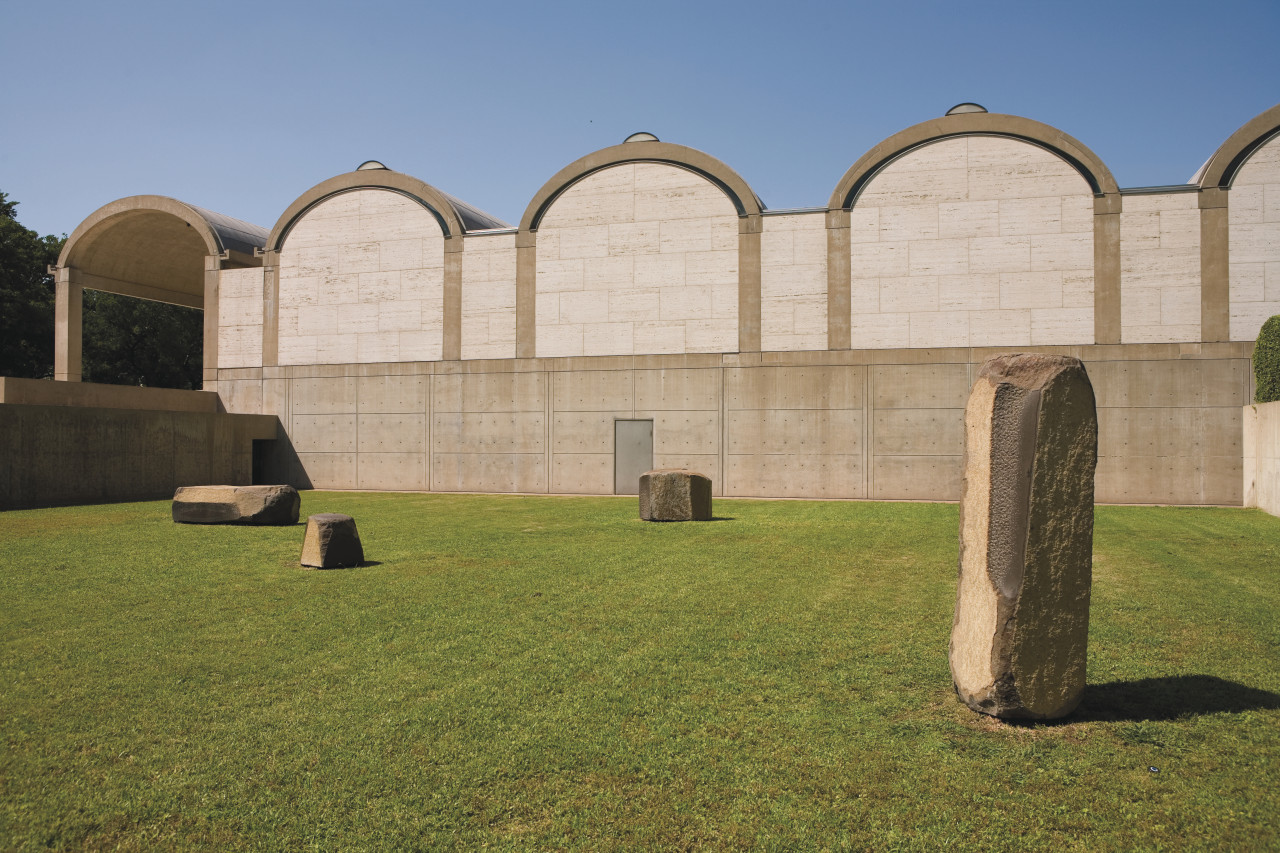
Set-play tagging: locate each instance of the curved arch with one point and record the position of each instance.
(443, 207)
(1088, 164)
(744, 199)
(88, 231)
(1222, 167)
(156, 247)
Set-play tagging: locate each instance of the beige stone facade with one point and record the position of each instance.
(406, 340)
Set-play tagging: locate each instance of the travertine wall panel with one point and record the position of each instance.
(638, 258)
(793, 282)
(489, 296)
(362, 280)
(1160, 268)
(973, 241)
(240, 317)
(1254, 216)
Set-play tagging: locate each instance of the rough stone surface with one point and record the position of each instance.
(236, 505)
(675, 494)
(1026, 538)
(332, 542)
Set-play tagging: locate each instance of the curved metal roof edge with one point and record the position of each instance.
(473, 218)
(234, 234)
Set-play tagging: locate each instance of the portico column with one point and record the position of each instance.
(68, 325)
(212, 267)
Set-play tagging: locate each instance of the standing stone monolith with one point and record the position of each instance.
(1026, 538)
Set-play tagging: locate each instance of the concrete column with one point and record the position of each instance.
(526, 294)
(839, 275)
(452, 344)
(212, 272)
(1215, 266)
(749, 228)
(270, 308)
(1106, 269)
(68, 325)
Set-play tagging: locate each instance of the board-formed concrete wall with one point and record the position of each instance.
(71, 443)
(852, 424)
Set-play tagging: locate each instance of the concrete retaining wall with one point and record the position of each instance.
(1261, 429)
(877, 424)
(58, 455)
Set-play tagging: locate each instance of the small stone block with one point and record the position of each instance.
(1019, 640)
(675, 494)
(331, 542)
(261, 505)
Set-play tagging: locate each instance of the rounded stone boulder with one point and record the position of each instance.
(331, 542)
(266, 505)
(675, 494)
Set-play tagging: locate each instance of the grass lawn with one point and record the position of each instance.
(553, 673)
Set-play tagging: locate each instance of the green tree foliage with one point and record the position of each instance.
(1266, 362)
(26, 296)
(137, 342)
(126, 341)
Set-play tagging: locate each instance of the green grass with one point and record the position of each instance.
(553, 673)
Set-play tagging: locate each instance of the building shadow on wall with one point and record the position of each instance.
(276, 462)
(1169, 698)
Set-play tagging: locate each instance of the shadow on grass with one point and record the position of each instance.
(367, 564)
(1169, 698)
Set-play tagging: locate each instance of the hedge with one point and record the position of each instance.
(1266, 362)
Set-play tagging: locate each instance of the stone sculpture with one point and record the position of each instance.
(675, 494)
(331, 542)
(1021, 625)
(236, 505)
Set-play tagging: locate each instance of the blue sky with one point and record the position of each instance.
(241, 107)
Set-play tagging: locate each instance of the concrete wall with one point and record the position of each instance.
(362, 280)
(850, 424)
(638, 258)
(973, 241)
(1254, 217)
(1261, 486)
(57, 455)
(1160, 268)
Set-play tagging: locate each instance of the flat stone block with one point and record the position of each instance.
(675, 494)
(332, 542)
(1018, 643)
(262, 505)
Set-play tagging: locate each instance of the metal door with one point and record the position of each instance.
(632, 455)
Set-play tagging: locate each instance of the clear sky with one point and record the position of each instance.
(241, 107)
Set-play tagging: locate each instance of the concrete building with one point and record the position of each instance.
(648, 310)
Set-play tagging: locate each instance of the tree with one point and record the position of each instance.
(125, 341)
(26, 296)
(137, 342)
